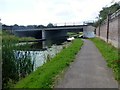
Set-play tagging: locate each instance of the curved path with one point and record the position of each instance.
(89, 70)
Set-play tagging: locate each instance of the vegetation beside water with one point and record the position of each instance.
(44, 76)
(13, 68)
(12, 38)
(74, 34)
(111, 54)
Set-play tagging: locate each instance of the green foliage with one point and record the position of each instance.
(110, 53)
(44, 76)
(50, 25)
(108, 10)
(12, 67)
(8, 59)
(5, 32)
(98, 22)
(105, 11)
(8, 36)
(73, 34)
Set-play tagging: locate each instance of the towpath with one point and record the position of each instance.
(89, 70)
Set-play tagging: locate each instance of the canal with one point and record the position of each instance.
(40, 53)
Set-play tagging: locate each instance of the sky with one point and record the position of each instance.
(37, 12)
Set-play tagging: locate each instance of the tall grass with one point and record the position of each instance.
(13, 68)
(111, 55)
(44, 76)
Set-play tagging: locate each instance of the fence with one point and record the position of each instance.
(109, 30)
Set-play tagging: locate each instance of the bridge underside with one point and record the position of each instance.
(75, 30)
(48, 34)
(35, 34)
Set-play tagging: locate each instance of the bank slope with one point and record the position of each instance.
(44, 76)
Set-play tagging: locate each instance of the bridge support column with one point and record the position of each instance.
(43, 34)
(43, 37)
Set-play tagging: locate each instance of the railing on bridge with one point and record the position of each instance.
(68, 24)
(73, 23)
(56, 25)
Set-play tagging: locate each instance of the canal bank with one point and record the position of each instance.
(39, 55)
(21, 59)
(44, 76)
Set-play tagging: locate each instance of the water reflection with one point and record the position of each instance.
(40, 52)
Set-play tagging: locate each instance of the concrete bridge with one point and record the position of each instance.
(54, 32)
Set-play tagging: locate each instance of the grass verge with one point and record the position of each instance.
(44, 76)
(6, 36)
(110, 54)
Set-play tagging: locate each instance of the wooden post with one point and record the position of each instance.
(119, 34)
(108, 27)
(99, 30)
(99, 27)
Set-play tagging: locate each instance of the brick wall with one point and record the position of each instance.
(113, 26)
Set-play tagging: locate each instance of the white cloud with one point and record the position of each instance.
(24, 12)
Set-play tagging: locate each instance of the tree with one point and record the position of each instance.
(108, 10)
(50, 25)
(40, 26)
(105, 11)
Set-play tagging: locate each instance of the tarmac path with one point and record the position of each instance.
(89, 70)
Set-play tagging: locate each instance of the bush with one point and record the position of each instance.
(13, 67)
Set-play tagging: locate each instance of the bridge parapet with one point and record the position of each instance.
(55, 28)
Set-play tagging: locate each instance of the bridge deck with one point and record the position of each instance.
(55, 28)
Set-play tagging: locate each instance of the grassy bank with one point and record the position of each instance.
(110, 53)
(12, 38)
(44, 76)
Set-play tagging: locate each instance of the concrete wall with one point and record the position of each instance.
(89, 32)
(113, 27)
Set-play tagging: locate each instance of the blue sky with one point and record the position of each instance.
(29, 12)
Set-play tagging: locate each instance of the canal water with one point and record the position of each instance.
(42, 52)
